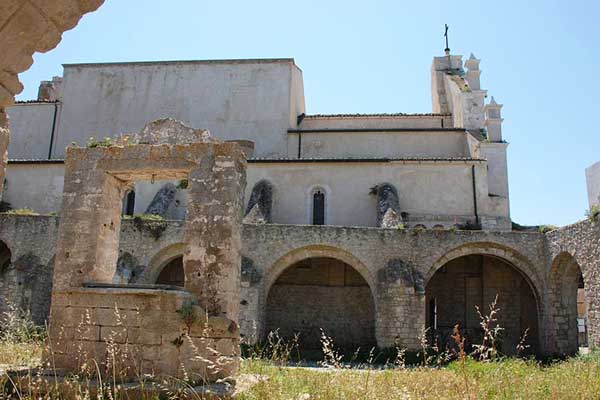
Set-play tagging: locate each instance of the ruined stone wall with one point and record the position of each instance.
(145, 331)
(396, 264)
(574, 247)
(27, 281)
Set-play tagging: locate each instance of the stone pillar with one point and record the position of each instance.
(213, 230)
(400, 305)
(90, 221)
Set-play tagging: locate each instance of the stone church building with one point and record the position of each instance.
(371, 227)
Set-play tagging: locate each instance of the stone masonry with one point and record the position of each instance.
(397, 264)
(192, 332)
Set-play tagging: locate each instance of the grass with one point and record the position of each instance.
(480, 375)
(21, 211)
(575, 378)
(508, 378)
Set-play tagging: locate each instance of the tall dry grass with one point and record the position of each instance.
(482, 375)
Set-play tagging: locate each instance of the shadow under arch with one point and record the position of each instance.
(320, 289)
(317, 251)
(160, 260)
(519, 262)
(564, 280)
(467, 267)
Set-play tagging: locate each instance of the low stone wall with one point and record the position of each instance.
(144, 331)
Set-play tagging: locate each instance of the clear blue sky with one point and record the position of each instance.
(539, 58)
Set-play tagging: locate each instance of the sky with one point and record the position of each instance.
(539, 58)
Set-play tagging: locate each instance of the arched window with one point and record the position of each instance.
(129, 203)
(318, 207)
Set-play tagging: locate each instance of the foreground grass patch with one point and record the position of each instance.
(576, 378)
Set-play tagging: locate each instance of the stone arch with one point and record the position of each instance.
(317, 251)
(476, 273)
(5, 256)
(563, 283)
(518, 261)
(6, 281)
(129, 203)
(160, 260)
(321, 294)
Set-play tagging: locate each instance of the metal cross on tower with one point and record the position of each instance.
(447, 49)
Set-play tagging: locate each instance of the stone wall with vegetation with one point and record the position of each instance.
(397, 264)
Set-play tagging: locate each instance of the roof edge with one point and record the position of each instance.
(337, 130)
(377, 115)
(176, 62)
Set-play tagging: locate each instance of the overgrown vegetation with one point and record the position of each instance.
(21, 341)
(547, 228)
(450, 373)
(154, 224)
(593, 213)
(117, 141)
(21, 211)
(182, 184)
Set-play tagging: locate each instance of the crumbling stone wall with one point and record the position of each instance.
(392, 261)
(27, 280)
(83, 296)
(577, 246)
(383, 257)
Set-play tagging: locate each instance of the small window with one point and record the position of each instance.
(318, 217)
(129, 203)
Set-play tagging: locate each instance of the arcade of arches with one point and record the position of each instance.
(322, 293)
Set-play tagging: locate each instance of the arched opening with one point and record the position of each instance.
(568, 305)
(322, 293)
(318, 207)
(172, 273)
(129, 203)
(465, 284)
(4, 257)
(7, 280)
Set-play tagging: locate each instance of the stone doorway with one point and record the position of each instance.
(466, 283)
(322, 293)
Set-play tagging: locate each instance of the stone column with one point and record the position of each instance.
(213, 229)
(90, 220)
